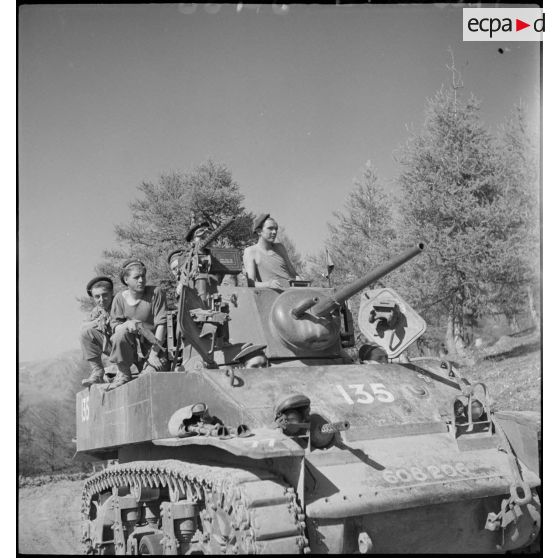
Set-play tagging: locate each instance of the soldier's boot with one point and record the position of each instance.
(123, 376)
(97, 373)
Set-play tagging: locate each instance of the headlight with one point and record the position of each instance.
(477, 410)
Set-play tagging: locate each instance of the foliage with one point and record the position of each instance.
(516, 271)
(360, 237)
(165, 211)
(45, 432)
(450, 182)
(46, 414)
(362, 233)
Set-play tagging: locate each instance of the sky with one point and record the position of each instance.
(294, 104)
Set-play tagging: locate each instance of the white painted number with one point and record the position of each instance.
(345, 395)
(381, 393)
(362, 396)
(418, 474)
(85, 409)
(435, 472)
(421, 475)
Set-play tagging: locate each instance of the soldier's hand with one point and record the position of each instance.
(155, 361)
(132, 325)
(274, 284)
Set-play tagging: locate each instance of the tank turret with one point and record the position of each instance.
(306, 318)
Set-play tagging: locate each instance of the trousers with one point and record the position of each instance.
(93, 342)
(125, 348)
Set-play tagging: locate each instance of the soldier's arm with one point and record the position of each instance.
(92, 320)
(290, 267)
(160, 315)
(250, 266)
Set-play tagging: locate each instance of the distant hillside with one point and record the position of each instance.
(52, 377)
(46, 412)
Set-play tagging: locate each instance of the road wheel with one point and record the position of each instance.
(151, 545)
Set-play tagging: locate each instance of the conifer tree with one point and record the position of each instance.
(164, 212)
(449, 183)
(516, 264)
(362, 232)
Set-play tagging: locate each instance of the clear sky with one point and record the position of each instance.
(293, 104)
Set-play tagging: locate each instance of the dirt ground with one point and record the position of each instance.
(512, 372)
(49, 518)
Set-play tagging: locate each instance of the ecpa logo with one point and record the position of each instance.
(503, 24)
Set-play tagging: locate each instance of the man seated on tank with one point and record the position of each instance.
(372, 353)
(139, 306)
(96, 331)
(195, 236)
(267, 263)
(174, 261)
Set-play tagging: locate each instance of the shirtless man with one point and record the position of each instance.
(266, 262)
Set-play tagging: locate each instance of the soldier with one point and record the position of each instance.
(96, 332)
(267, 263)
(188, 276)
(185, 272)
(252, 356)
(138, 308)
(174, 262)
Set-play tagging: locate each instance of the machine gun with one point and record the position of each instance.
(197, 307)
(196, 269)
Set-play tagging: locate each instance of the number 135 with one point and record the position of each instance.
(360, 395)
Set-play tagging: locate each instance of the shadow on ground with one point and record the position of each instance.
(520, 350)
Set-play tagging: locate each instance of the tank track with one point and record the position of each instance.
(232, 510)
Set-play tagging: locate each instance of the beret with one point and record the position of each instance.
(174, 253)
(190, 233)
(91, 283)
(127, 264)
(260, 220)
(249, 350)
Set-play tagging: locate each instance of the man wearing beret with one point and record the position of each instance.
(267, 263)
(195, 236)
(174, 260)
(96, 331)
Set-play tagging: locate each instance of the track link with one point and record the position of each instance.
(239, 511)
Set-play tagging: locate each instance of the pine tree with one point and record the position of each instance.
(164, 212)
(362, 233)
(360, 238)
(517, 264)
(450, 191)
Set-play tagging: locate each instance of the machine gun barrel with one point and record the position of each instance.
(219, 230)
(325, 306)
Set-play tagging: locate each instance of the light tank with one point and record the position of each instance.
(304, 449)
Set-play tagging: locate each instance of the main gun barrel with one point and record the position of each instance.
(325, 306)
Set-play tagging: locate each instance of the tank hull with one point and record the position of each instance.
(399, 479)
